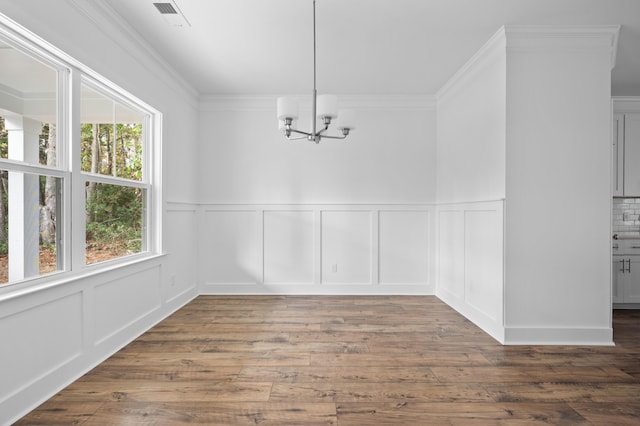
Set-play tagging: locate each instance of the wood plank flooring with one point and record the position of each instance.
(269, 360)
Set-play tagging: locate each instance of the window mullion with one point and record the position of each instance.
(110, 180)
(76, 201)
(17, 166)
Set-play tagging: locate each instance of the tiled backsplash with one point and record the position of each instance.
(626, 215)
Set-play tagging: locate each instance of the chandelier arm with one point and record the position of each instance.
(334, 137)
(295, 139)
(301, 132)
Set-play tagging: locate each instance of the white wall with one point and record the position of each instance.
(344, 216)
(528, 120)
(471, 129)
(389, 158)
(558, 204)
(471, 188)
(51, 336)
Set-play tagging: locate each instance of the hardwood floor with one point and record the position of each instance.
(348, 361)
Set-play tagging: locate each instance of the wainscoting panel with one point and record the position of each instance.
(483, 271)
(179, 237)
(122, 302)
(404, 238)
(346, 247)
(229, 247)
(451, 252)
(288, 247)
(471, 262)
(53, 328)
(316, 249)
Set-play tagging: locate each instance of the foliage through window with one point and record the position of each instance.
(112, 142)
(115, 217)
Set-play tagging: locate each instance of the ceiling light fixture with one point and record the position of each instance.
(324, 107)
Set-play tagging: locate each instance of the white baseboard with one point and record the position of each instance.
(419, 289)
(559, 336)
(487, 324)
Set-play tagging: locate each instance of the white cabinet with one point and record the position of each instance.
(631, 155)
(618, 155)
(626, 147)
(626, 279)
(617, 278)
(625, 271)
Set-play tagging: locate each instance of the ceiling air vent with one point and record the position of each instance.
(172, 14)
(165, 8)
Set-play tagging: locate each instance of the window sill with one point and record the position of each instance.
(57, 279)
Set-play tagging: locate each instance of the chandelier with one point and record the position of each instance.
(324, 107)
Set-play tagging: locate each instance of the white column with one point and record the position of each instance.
(24, 205)
(558, 185)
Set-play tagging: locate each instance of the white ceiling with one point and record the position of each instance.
(378, 47)
(21, 74)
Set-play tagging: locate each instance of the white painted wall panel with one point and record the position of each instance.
(179, 272)
(403, 246)
(229, 247)
(376, 249)
(121, 302)
(471, 130)
(470, 262)
(451, 240)
(288, 247)
(346, 247)
(37, 341)
(483, 262)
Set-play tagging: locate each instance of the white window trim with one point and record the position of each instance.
(71, 74)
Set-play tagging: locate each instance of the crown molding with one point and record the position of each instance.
(490, 51)
(360, 102)
(624, 104)
(564, 38)
(535, 38)
(107, 20)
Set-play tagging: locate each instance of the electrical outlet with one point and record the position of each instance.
(334, 268)
(172, 280)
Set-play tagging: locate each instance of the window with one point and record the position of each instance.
(94, 166)
(112, 162)
(31, 178)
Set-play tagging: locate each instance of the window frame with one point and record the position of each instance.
(82, 177)
(71, 74)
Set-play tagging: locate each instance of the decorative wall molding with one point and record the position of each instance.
(66, 307)
(180, 206)
(142, 300)
(516, 38)
(488, 53)
(563, 38)
(470, 262)
(316, 249)
(107, 20)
